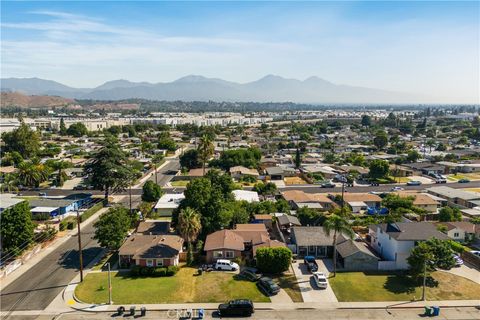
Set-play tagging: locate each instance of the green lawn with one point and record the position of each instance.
(470, 176)
(360, 286)
(289, 283)
(185, 286)
(179, 183)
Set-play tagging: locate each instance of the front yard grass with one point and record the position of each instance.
(289, 283)
(360, 286)
(179, 183)
(185, 286)
(470, 176)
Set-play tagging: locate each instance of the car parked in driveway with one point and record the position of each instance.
(240, 307)
(312, 265)
(320, 279)
(249, 275)
(226, 265)
(267, 286)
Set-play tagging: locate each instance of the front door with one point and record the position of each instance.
(321, 251)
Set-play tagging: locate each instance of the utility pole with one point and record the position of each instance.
(109, 285)
(424, 280)
(156, 173)
(130, 196)
(343, 193)
(79, 236)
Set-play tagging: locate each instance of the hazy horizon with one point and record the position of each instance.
(428, 48)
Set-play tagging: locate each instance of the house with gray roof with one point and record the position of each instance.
(394, 241)
(456, 197)
(352, 255)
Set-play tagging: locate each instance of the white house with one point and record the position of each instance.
(394, 241)
(249, 196)
(168, 202)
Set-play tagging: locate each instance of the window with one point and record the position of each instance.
(456, 235)
(159, 262)
(149, 263)
(218, 254)
(229, 254)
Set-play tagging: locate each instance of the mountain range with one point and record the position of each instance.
(270, 88)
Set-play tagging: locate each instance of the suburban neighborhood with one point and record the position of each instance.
(224, 159)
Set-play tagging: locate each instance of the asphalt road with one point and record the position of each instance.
(36, 288)
(166, 173)
(306, 188)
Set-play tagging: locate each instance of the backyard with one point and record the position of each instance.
(185, 286)
(360, 286)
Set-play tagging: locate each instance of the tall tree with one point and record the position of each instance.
(205, 150)
(189, 226)
(338, 225)
(151, 191)
(381, 140)
(63, 128)
(32, 173)
(366, 120)
(108, 170)
(16, 229)
(23, 140)
(59, 166)
(77, 129)
(9, 183)
(298, 158)
(112, 227)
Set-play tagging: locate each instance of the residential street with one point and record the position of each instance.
(325, 314)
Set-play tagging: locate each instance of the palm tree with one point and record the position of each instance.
(337, 224)
(32, 173)
(189, 226)
(60, 167)
(205, 150)
(10, 183)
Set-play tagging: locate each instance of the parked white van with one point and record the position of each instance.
(226, 265)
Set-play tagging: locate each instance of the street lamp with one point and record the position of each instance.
(109, 285)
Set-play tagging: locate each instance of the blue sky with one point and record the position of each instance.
(427, 47)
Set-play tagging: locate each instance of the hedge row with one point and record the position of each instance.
(169, 271)
(90, 212)
(68, 223)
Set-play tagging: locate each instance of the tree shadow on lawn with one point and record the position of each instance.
(403, 283)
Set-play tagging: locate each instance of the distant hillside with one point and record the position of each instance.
(270, 88)
(16, 99)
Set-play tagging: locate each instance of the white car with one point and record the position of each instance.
(397, 189)
(226, 265)
(320, 280)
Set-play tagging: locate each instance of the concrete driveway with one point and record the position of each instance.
(310, 291)
(466, 271)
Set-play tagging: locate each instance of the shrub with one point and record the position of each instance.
(160, 272)
(91, 211)
(273, 260)
(71, 224)
(135, 271)
(172, 270)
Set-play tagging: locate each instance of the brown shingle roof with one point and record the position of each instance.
(152, 246)
(224, 239)
(300, 196)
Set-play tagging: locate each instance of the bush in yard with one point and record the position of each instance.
(172, 270)
(135, 271)
(273, 260)
(160, 272)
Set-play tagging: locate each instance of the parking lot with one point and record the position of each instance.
(310, 291)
